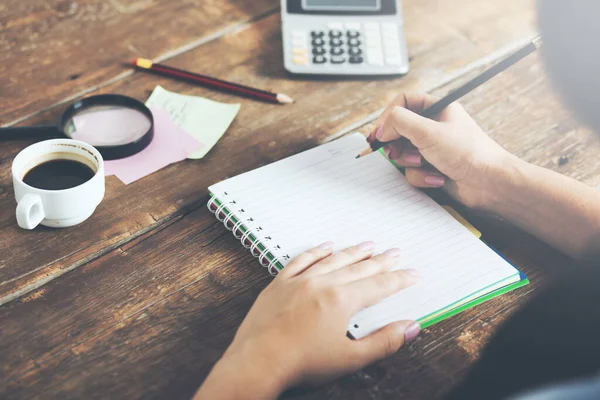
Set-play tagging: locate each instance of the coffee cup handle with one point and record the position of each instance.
(30, 211)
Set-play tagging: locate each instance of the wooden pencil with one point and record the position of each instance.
(211, 82)
(479, 80)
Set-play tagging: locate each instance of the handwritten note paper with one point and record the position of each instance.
(204, 119)
(169, 145)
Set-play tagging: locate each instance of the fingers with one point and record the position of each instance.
(403, 153)
(401, 122)
(385, 341)
(342, 259)
(371, 290)
(416, 102)
(425, 178)
(375, 265)
(306, 260)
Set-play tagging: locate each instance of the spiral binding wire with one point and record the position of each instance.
(262, 255)
(236, 229)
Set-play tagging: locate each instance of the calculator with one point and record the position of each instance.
(344, 37)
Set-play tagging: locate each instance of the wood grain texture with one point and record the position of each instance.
(149, 318)
(157, 286)
(53, 50)
(253, 56)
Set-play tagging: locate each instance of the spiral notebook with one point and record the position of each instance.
(285, 208)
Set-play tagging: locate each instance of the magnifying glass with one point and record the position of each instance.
(118, 126)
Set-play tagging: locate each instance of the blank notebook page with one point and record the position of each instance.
(326, 194)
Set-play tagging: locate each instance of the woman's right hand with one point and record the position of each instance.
(451, 151)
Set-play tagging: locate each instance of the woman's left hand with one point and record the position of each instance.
(296, 331)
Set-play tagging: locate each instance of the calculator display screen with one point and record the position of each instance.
(355, 5)
(343, 7)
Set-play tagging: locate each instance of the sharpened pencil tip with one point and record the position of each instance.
(285, 99)
(358, 156)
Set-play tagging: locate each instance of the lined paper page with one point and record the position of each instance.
(326, 194)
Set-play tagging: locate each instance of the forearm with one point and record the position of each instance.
(240, 376)
(559, 210)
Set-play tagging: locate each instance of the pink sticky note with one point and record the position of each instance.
(169, 145)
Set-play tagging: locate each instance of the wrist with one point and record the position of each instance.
(252, 371)
(505, 176)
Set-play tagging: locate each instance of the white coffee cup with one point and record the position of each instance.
(57, 208)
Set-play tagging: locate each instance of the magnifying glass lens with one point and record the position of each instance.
(105, 125)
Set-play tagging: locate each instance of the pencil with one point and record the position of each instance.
(479, 80)
(211, 82)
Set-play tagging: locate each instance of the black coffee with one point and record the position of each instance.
(58, 175)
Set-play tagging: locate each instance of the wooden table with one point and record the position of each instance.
(142, 299)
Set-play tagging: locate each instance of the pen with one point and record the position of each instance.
(479, 80)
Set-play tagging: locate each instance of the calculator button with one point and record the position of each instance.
(389, 27)
(299, 34)
(391, 43)
(353, 42)
(353, 26)
(319, 60)
(372, 27)
(389, 37)
(377, 61)
(335, 34)
(335, 42)
(338, 59)
(393, 61)
(373, 42)
(300, 60)
(299, 51)
(336, 51)
(354, 51)
(317, 34)
(335, 26)
(375, 57)
(319, 51)
(353, 33)
(297, 42)
(356, 60)
(318, 42)
(392, 52)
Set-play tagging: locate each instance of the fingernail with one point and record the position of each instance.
(435, 180)
(326, 246)
(413, 159)
(366, 246)
(412, 273)
(394, 253)
(412, 331)
(387, 151)
(379, 133)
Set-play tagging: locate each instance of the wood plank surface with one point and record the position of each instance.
(150, 318)
(445, 45)
(54, 50)
(157, 286)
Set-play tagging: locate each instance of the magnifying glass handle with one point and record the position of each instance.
(26, 132)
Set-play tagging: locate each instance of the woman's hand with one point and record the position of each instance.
(295, 332)
(451, 151)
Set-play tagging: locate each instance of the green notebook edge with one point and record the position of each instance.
(480, 300)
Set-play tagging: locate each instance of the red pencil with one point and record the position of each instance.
(215, 83)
